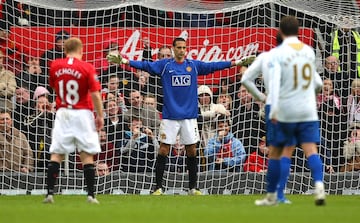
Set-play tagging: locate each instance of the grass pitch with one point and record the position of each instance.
(171, 209)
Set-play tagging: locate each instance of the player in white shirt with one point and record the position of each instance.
(260, 67)
(293, 112)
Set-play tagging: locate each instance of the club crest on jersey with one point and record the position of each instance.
(181, 80)
(163, 136)
(188, 69)
(125, 81)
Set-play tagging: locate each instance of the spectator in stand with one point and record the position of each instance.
(341, 86)
(154, 81)
(142, 83)
(351, 150)
(344, 44)
(164, 53)
(225, 100)
(150, 116)
(7, 85)
(226, 87)
(248, 124)
(38, 127)
(332, 129)
(353, 103)
(31, 76)
(258, 161)
(208, 113)
(341, 80)
(12, 51)
(107, 154)
(54, 53)
(113, 123)
(147, 51)
(15, 152)
(237, 82)
(224, 151)
(150, 101)
(328, 94)
(138, 148)
(112, 91)
(112, 85)
(101, 169)
(22, 107)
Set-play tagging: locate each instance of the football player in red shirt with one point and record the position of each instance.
(77, 93)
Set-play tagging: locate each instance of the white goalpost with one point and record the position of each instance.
(138, 30)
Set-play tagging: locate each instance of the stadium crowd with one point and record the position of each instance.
(133, 101)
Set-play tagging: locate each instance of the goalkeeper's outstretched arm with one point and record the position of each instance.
(117, 59)
(245, 61)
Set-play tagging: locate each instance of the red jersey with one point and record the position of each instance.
(73, 80)
(256, 163)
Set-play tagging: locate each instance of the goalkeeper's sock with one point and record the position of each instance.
(52, 174)
(89, 174)
(316, 167)
(192, 167)
(273, 175)
(284, 175)
(159, 170)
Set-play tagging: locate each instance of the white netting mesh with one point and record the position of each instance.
(215, 30)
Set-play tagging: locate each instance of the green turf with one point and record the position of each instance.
(187, 209)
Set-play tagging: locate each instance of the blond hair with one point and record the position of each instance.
(355, 84)
(72, 45)
(228, 97)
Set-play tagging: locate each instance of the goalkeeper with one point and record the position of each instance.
(180, 110)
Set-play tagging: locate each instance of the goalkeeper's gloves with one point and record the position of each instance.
(116, 59)
(245, 61)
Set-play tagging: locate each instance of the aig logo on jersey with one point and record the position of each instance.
(181, 80)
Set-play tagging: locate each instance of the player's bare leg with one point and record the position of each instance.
(316, 166)
(52, 174)
(89, 174)
(160, 167)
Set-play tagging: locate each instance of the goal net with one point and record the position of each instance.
(32, 33)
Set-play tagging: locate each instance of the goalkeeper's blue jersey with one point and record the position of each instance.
(179, 81)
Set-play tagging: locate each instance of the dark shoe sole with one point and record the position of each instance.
(320, 202)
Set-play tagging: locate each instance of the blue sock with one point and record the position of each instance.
(284, 175)
(316, 166)
(273, 175)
